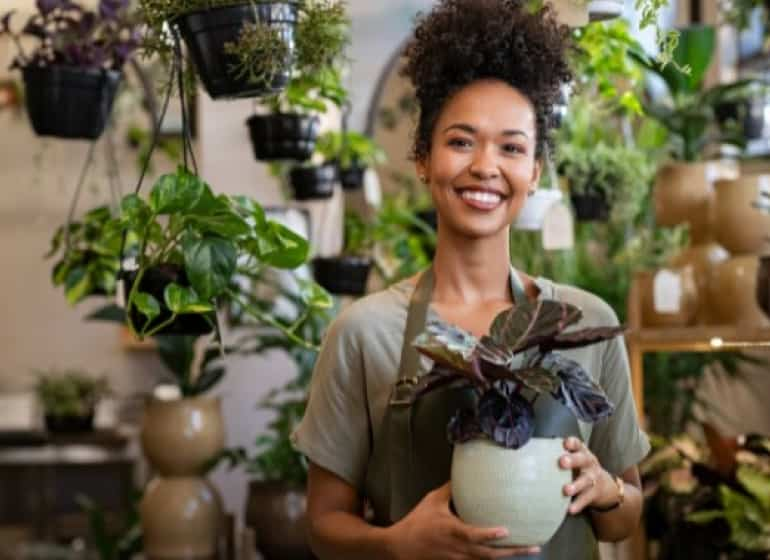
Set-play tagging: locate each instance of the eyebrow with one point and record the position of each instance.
(471, 130)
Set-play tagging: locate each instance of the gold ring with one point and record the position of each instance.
(593, 480)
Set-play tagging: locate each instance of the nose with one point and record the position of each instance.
(484, 165)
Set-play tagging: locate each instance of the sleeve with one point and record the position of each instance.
(334, 432)
(618, 441)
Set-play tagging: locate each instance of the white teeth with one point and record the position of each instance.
(481, 196)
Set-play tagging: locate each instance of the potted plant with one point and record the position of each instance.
(69, 400)
(73, 72)
(313, 182)
(353, 153)
(290, 126)
(495, 436)
(348, 273)
(88, 256)
(604, 180)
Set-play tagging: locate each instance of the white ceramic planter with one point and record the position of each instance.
(602, 10)
(520, 489)
(536, 207)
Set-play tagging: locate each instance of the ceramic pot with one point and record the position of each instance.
(602, 10)
(283, 136)
(345, 275)
(733, 292)
(181, 518)
(687, 301)
(67, 102)
(277, 513)
(536, 207)
(519, 489)
(738, 226)
(763, 284)
(206, 32)
(180, 436)
(684, 193)
(702, 258)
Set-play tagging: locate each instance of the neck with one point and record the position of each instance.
(471, 270)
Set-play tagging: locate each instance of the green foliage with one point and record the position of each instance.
(738, 12)
(359, 235)
(69, 392)
(177, 352)
(323, 32)
(349, 148)
(113, 544)
(87, 255)
(261, 53)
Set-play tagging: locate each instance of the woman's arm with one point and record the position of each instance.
(430, 531)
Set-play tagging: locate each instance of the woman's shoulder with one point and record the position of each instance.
(596, 311)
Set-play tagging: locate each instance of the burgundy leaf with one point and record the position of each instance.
(492, 352)
(506, 417)
(538, 379)
(35, 29)
(45, 7)
(524, 325)
(583, 337)
(577, 391)
(437, 378)
(463, 426)
(5, 22)
(111, 9)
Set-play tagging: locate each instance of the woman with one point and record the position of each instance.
(487, 74)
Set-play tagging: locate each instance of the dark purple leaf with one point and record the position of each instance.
(447, 345)
(526, 324)
(437, 378)
(583, 337)
(5, 22)
(492, 352)
(35, 29)
(87, 23)
(577, 391)
(538, 379)
(45, 7)
(111, 9)
(506, 417)
(463, 426)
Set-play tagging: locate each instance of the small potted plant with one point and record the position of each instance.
(313, 182)
(290, 126)
(348, 273)
(73, 72)
(509, 369)
(69, 400)
(353, 153)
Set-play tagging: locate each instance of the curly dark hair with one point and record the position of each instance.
(462, 41)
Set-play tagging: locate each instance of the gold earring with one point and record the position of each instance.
(423, 179)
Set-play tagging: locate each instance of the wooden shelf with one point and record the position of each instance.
(699, 338)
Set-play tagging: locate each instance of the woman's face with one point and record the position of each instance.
(482, 164)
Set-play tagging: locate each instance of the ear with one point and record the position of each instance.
(421, 168)
(536, 171)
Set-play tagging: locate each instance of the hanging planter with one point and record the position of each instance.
(352, 177)
(602, 10)
(313, 182)
(591, 207)
(352, 152)
(283, 136)
(217, 38)
(536, 207)
(343, 275)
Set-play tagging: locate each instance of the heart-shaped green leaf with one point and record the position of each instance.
(178, 192)
(224, 223)
(134, 212)
(314, 295)
(147, 305)
(181, 300)
(280, 247)
(210, 264)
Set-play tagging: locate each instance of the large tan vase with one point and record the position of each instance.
(181, 512)
(684, 193)
(688, 301)
(738, 226)
(702, 258)
(733, 292)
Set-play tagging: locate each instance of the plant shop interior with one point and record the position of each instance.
(193, 191)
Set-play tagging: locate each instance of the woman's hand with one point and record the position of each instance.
(593, 486)
(432, 531)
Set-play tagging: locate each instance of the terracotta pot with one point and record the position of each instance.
(733, 292)
(703, 258)
(181, 518)
(763, 284)
(688, 300)
(738, 226)
(519, 489)
(684, 193)
(180, 436)
(277, 513)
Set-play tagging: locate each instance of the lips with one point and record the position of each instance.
(480, 198)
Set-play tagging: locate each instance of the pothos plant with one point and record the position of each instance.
(67, 34)
(517, 358)
(350, 149)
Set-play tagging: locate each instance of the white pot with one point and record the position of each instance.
(519, 489)
(535, 209)
(602, 10)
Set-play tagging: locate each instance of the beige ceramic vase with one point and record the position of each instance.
(702, 258)
(687, 301)
(180, 512)
(738, 226)
(519, 489)
(733, 292)
(684, 193)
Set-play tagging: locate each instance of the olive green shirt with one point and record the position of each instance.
(358, 366)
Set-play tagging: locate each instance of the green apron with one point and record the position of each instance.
(412, 456)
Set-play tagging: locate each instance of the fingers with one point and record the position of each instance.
(579, 456)
(492, 553)
(479, 541)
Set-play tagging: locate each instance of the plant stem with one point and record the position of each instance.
(163, 325)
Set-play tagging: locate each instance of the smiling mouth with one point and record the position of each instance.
(481, 199)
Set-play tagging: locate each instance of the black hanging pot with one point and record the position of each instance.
(206, 32)
(70, 424)
(277, 511)
(313, 182)
(154, 282)
(763, 284)
(283, 136)
(70, 102)
(352, 177)
(344, 275)
(590, 207)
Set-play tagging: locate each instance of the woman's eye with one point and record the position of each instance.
(460, 142)
(514, 149)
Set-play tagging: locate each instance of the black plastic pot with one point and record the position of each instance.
(590, 207)
(283, 136)
(154, 282)
(69, 424)
(314, 182)
(207, 31)
(750, 114)
(68, 102)
(344, 275)
(352, 178)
